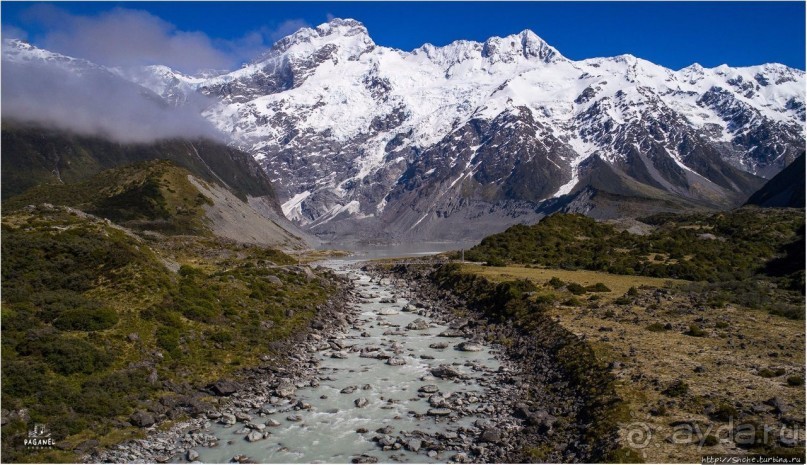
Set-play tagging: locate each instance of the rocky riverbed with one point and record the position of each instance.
(390, 376)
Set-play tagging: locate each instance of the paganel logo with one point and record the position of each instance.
(39, 438)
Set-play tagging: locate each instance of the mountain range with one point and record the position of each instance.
(368, 143)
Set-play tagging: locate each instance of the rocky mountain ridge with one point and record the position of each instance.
(365, 142)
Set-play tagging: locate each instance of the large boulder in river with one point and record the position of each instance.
(396, 361)
(418, 325)
(469, 346)
(254, 436)
(445, 372)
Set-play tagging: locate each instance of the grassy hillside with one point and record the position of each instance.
(33, 155)
(97, 321)
(155, 195)
(750, 256)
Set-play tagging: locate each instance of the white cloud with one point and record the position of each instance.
(13, 32)
(125, 37)
(94, 102)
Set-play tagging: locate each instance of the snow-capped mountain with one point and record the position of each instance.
(462, 140)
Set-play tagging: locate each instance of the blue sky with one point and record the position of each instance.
(221, 35)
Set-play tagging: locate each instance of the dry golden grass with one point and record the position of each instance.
(308, 256)
(619, 284)
(721, 367)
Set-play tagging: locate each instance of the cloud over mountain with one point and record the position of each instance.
(124, 37)
(76, 95)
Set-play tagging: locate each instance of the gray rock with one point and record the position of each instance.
(294, 418)
(451, 333)
(242, 417)
(256, 426)
(227, 419)
(438, 345)
(192, 455)
(438, 412)
(385, 430)
(142, 419)
(445, 372)
(490, 435)
(272, 422)
(364, 458)
(396, 361)
(469, 347)
(418, 325)
(348, 390)
(254, 436)
(361, 402)
(224, 388)
(429, 389)
(414, 445)
(285, 389)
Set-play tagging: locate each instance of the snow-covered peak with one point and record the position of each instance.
(19, 51)
(348, 34)
(525, 44)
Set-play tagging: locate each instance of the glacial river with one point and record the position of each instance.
(327, 431)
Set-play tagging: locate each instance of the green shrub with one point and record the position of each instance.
(695, 331)
(677, 388)
(771, 372)
(23, 378)
(168, 339)
(724, 412)
(656, 328)
(220, 336)
(88, 318)
(598, 287)
(576, 289)
(633, 292)
(69, 355)
(556, 282)
(795, 380)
